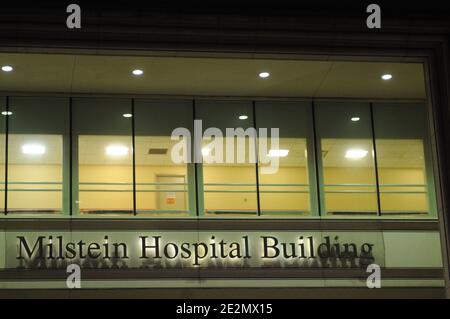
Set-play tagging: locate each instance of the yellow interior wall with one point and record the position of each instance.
(229, 201)
(148, 174)
(368, 201)
(248, 201)
(403, 202)
(29, 200)
(116, 173)
(214, 201)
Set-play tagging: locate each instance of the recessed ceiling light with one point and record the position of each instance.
(264, 75)
(127, 115)
(386, 77)
(243, 117)
(355, 119)
(7, 68)
(137, 72)
(356, 153)
(7, 113)
(33, 149)
(116, 150)
(205, 151)
(278, 153)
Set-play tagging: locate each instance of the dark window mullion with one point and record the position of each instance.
(70, 158)
(374, 145)
(196, 165)
(258, 202)
(133, 144)
(316, 159)
(6, 154)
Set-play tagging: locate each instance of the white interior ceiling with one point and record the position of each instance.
(65, 73)
(192, 76)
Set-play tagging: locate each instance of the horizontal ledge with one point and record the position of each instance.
(297, 273)
(98, 224)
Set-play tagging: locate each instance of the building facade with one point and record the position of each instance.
(208, 153)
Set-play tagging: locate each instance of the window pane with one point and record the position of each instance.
(404, 168)
(161, 183)
(348, 173)
(283, 175)
(229, 184)
(37, 144)
(105, 172)
(2, 152)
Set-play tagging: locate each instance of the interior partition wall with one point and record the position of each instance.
(92, 157)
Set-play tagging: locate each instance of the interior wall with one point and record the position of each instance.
(28, 200)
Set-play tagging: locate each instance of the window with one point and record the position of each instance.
(229, 169)
(403, 158)
(285, 161)
(102, 144)
(345, 142)
(272, 170)
(37, 150)
(164, 186)
(3, 116)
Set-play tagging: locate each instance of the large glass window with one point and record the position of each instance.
(284, 160)
(37, 150)
(268, 170)
(4, 114)
(229, 169)
(165, 185)
(345, 142)
(403, 158)
(102, 138)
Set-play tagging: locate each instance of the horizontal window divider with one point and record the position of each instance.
(107, 190)
(232, 211)
(284, 191)
(350, 191)
(162, 211)
(33, 183)
(373, 185)
(285, 185)
(229, 184)
(254, 184)
(161, 190)
(129, 183)
(403, 185)
(229, 191)
(33, 190)
(403, 192)
(252, 191)
(349, 184)
(137, 191)
(374, 191)
(288, 211)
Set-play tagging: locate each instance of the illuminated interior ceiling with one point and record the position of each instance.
(209, 76)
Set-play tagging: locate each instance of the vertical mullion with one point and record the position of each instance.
(133, 144)
(316, 159)
(6, 154)
(70, 158)
(258, 202)
(194, 157)
(374, 145)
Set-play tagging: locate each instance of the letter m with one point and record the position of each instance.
(38, 245)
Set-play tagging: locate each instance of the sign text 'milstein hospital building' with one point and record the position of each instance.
(89, 177)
